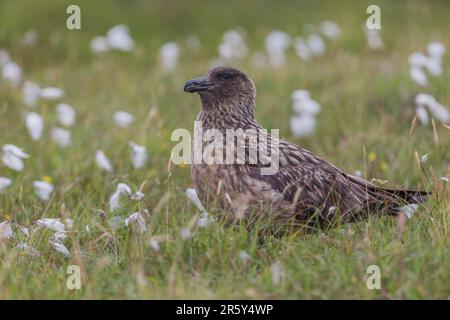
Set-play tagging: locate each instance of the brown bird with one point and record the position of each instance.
(303, 186)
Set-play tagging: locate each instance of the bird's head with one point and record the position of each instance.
(222, 86)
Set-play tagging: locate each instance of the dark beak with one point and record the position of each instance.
(197, 85)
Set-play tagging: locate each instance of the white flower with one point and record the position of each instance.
(276, 43)
(35, 125)
(30, 37)
(4, 183)
(244, 256)
(302, 50)
(59, 246)
(233, 46)
(138, 196)
(185, 233)
(4, 57)
(123, 119)
(61, 136)
(99, 45)
(43, 189)
(192, 195)
(168, 55)
(116, 222)
(373, 38)
(12, 157)
(306, 106)
(424, 158)
(409, 210)
(138, 155)
(436, 50)
(445, 179)
(437, 110)
(154, 244)
(205, 220)
(102, 161)
(30, 93)
(55, 224)
(51, 93)
(330, 29)
(137, 219)
(12, 72)
(422, 114)
(119, 38)
(66, 114)
(418, 76)
(6, 231)
(303, 125)
(277, 272)
(122, 189)
(316, 45)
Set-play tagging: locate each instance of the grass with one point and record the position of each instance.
(366, 97)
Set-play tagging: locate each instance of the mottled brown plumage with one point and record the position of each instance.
(304, 185)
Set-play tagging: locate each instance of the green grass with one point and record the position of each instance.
(366, 99)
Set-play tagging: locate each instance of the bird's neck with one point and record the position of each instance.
(222, 116)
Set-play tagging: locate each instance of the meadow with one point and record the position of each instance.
(367, 123)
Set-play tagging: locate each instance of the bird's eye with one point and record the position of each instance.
(226, 76)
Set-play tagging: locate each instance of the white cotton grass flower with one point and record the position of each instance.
(330, 29)
(168, 56)
(205, 220)
(302, 50)
(61, 137)
(51, 93)
(30, 94)
(4, 183)
(59, 246)
(35, 125)
(374, 39)
(137, 196)
(13, 73)
(303, 125)
(185, 233)
(66, 114)
(316, 44)
(6, 231)
(424, 158)
(422, 114)
(138, 221)
(122, 190)
(30, 37)
(244, 256)
(418, 76)
(99, 45)
(276, 43)
(276, 270)
(436, 50)
(303, 122)
(138, 155)
(438, 111)
(123, 119)
(445, 179)
(420, 60)
(4, 57)
(12, 157)
(116, 222)
(55, 224)
(43, 189)
(154, 244)
(233, 46)
(102, 161)
(118, 37)
(191, 194)
(409, 210)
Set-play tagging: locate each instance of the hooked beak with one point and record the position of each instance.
(197, 85)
